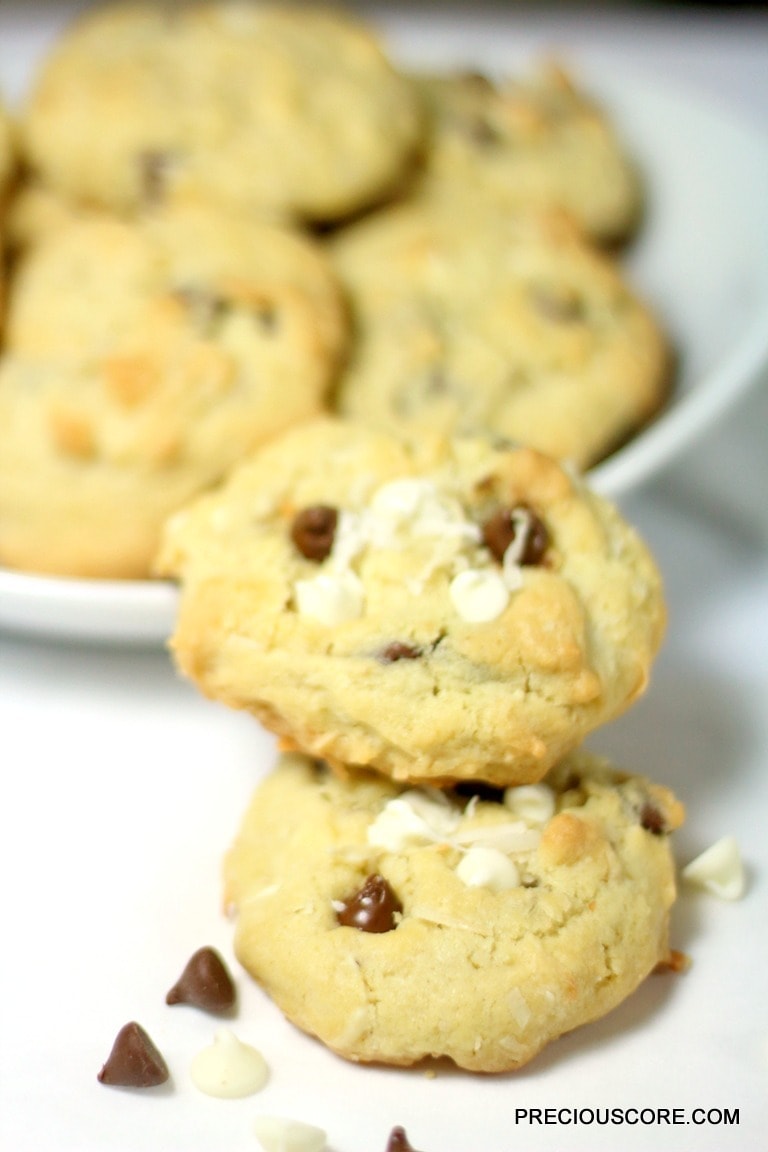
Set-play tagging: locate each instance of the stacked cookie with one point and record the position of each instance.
(431, 626)
(234, 216)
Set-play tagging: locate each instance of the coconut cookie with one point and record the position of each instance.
(143, 361)
(253, 105)
(401, 923)
(432, 609)
(539, 140)
(500, 323)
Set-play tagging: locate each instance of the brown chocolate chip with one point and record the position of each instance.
(652, 819)
(397, 650)
(205, 983)
(154, 167)
(313, 530)
(205, 307)
(560, 305)
(374, 908)
(398, 1141)
(504, 527)
(134, 1061)
(481, 132)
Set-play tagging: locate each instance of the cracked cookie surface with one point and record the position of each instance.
(433, 608)
(499, 923)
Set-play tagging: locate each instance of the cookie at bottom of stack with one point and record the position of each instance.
(399, 923)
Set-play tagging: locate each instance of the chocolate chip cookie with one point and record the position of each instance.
(495, 322)
(539, 139)
(256, 106)
(144, 359)
(397, 923)
(434, 609)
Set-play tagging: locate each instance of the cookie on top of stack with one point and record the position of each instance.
(431, 626)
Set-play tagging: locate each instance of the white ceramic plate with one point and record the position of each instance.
(701, 261)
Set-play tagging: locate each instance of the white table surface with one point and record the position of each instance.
(121, 788)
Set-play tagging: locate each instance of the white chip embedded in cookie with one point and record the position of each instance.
(360, 910)
(433, 609)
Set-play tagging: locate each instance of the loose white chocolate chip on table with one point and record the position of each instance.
(277, 1134)
(718, 869)
(228, 1068)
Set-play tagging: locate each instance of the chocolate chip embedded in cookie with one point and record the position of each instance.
(434, 609)
(519, 918)
(191, 337)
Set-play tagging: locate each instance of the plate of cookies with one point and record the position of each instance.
(199, 261)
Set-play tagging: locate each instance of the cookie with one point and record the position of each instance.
(540, 140)
(500, 323)
(400, 923)
(256, 106)
(143, 360)
(35, 211)
(433, 609)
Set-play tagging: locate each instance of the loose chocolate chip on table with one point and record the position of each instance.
(134, 1061)
(205, 983)
(374, 908)
(398, 1141)
(313, 530)
(505, 526)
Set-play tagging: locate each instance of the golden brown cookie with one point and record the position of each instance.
(400, 923)
(256, 106)
(431, 608)
(538, 140)
(490, 322)
(143, 360)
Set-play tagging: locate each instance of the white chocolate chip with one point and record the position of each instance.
(228, 1068)
(330, 599)
(487, 868)
(534, 803)
(479, 596)
(718, 869)
(411, 818)
(276, 1134)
